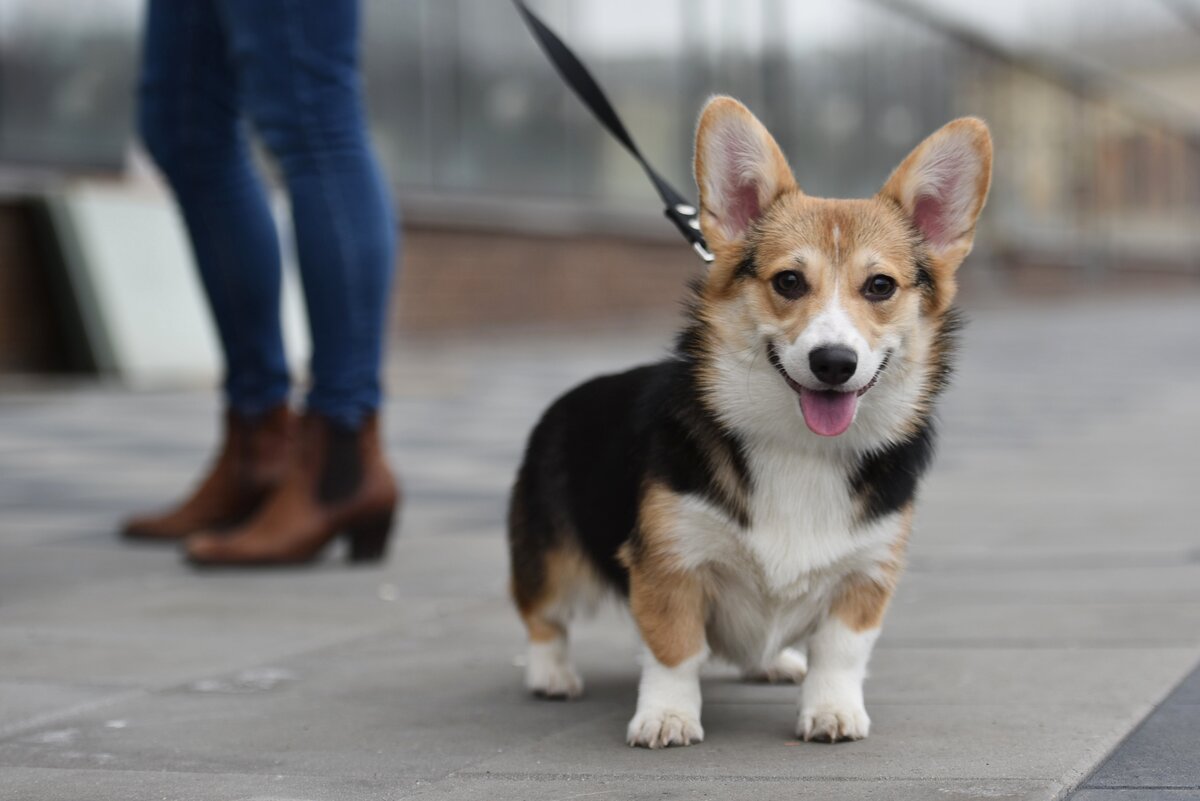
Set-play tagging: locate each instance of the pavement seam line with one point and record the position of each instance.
(1076, 777)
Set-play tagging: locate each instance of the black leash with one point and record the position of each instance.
(680, 212)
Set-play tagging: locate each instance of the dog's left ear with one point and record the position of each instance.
(740, 171)
(941, 186)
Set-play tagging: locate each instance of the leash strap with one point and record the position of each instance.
(678, 210)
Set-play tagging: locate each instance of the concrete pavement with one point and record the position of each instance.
(1053, 597)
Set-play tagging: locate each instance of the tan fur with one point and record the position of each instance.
(872, 239)
(900, 188)
(837, 245)
(796, 232)
(657, 513)
(667, 602)
(565, 569)
(543, 630)
(861, 601)
(723, 111)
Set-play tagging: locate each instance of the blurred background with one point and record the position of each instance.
(515, 201)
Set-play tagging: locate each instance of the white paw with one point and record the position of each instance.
(659, 728)
(550, 675)
(789, 666)
(832, 722)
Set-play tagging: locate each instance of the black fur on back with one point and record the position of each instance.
(596, 448)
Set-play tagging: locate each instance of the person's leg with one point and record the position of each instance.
(298, 64)
(188, 117)
(189, 120)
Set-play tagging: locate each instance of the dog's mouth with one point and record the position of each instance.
(827, 412)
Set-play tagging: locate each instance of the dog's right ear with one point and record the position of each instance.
(740, 170)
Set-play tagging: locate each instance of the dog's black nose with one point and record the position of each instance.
(833, 364)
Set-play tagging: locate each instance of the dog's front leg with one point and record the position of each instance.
(831, 698)
(669, 608)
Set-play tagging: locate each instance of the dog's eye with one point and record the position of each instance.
(790, 284)
(879, 287)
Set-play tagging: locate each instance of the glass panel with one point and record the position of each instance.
(1093, 103)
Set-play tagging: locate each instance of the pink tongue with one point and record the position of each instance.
(828, 413)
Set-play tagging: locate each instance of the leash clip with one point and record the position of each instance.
(687, 220)
(581, 82)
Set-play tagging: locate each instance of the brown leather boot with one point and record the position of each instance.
(251, 463)
(338, 484)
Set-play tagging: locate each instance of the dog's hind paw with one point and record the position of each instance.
(659, 728)
(549, 675)
(789, 666)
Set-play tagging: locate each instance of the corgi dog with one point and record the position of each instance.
(751, 496)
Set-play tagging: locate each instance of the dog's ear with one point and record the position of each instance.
(941, 186)
(740, 170)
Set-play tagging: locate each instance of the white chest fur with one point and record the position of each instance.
(770, 581)
(802, 519)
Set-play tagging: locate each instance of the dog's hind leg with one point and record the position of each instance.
(548, 671)
(549, 579)
(547, 608)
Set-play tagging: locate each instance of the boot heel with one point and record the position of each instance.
(368, 540)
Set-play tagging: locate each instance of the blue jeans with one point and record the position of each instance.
(289, 67)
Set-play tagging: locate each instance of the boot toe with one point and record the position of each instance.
(203, 549)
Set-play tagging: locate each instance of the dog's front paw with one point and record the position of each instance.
(831, 722)
(659, 728)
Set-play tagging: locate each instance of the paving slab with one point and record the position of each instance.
(26, 702)
(653, 787)
(98, 784)
(1052, 601)
(1159, 756)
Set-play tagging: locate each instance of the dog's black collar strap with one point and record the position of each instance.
(679, 211)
